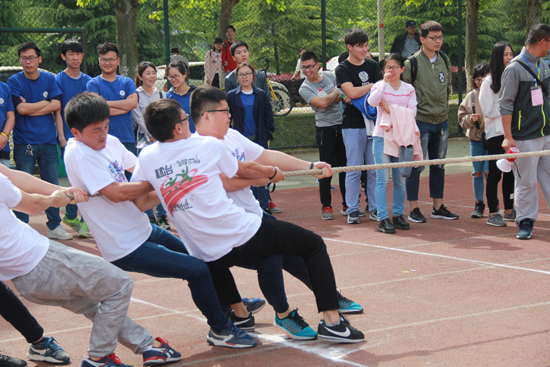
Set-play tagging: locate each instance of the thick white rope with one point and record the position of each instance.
(430, 162)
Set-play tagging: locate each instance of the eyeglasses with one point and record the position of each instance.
(242, 75)
(435, 39)
(392, 68)
(226, 111)
(174, 77)
(310, 67)
(183, 119)
(30, 58)
(107, 61)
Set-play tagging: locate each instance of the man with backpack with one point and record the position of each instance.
(429, 71)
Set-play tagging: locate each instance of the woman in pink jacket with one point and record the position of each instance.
(213, 65)
(392, 90)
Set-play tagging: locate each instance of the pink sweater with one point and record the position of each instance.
(405, 96)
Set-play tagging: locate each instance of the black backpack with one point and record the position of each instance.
(414, 64)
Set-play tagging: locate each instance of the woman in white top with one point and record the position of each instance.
(392, 90)
(146, 76)
(213, 64)
(501, 55)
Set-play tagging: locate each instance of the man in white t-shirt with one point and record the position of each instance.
(77, 281)
(96, 162)
(211, 225)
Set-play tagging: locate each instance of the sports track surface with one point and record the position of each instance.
(445, 293)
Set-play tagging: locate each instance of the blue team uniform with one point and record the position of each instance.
(6, 105)
(70, 87)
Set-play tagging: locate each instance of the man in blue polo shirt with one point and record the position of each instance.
(71, 81)
(7, 121)
(36, 96)
(120, 93)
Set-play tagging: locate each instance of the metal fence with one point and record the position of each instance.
(275, 30)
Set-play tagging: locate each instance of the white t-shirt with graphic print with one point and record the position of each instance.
(186, 177)
(118, 228)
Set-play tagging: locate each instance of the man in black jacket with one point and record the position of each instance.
(407, 44)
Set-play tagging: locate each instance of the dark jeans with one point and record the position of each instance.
(494, 147)
(434, 139)
(15, 312)
(280, 238)
(46, 156)
(261, 193)
(71, 210)
(163, 255)
(333, 151)
(132, 148)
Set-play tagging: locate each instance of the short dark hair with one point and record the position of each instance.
(237, 44)
(174, 50)
(230, 26)
(308, 55)
(103, 48)
(86, 109)
(430, 26)
(161, 116)
(239, 67)
(71, 45)
(343, 56)
(496, 64)
(27, 46)
(202, 100)
(141, 69)
(302, 48)
(537, 33)
(356, 36)
(398, 58)
(479, 71)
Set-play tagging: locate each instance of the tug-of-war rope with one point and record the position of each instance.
(419, 163)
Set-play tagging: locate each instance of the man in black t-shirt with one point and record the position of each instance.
(356, 76)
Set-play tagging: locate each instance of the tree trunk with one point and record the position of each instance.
(472, 20)
(225, 16)
(275, 50)
(533, 14)
(126, 36)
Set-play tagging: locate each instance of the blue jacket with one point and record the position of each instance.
(261, 111)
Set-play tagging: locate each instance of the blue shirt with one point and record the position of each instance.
(121, 126)
(249, 123)
(184, 103)
(6, 105)
(70, 88)
(34, 129)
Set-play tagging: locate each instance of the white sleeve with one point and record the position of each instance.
(252, 150)
(129, 160)
(9, 194)
(486, 100)
(227, 163)
(93, 172)
(139, 173)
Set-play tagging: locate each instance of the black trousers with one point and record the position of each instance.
(331, 150)
(275, 237)
(15, 312)
(494, 146)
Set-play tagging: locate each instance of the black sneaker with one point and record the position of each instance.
(153, 220)
(385, 226)
(163, 222)
(243, 323)
(478, 209)
(343, 332)
(400, 223)
(254, 305)
(443, 213)
(353, 218)
(416, 216)
(7, 361)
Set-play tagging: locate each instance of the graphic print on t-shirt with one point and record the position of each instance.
(175, 187)
(239, 156)
(117, 172)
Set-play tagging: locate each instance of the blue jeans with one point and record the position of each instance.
(434, 139)
(476, 148)
(163, 255)
(382, 181)
(71, 210)
(261, 194)
(359, 152)
(46, 156)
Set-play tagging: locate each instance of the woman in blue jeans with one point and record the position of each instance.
(392, 90)
(471, 118)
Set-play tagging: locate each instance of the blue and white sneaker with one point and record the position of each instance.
(348, 306)
(295, 326)
(108, 361)
(231, 337)
(160, 355)
(48, 350)
(254, 305)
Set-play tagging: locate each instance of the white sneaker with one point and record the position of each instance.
(59, 234)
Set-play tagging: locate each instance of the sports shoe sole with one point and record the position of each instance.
(523, 237)
(159, 361)
(435, 216)
(296, 337)
(417, 220)
(353, 221)
(221, 343)
(350, 311)
(497, 225)
(41, 358)
(327, 218)
(340, 340)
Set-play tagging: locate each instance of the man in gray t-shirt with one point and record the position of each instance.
(319, 90)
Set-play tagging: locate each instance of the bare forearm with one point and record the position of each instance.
(117, 111)
(356, 92)
(28, 183)
(125, 105)
(283, 161)
(29, 108)
(148, 201)
(255, 170)
(507, 126)
(123, 191)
